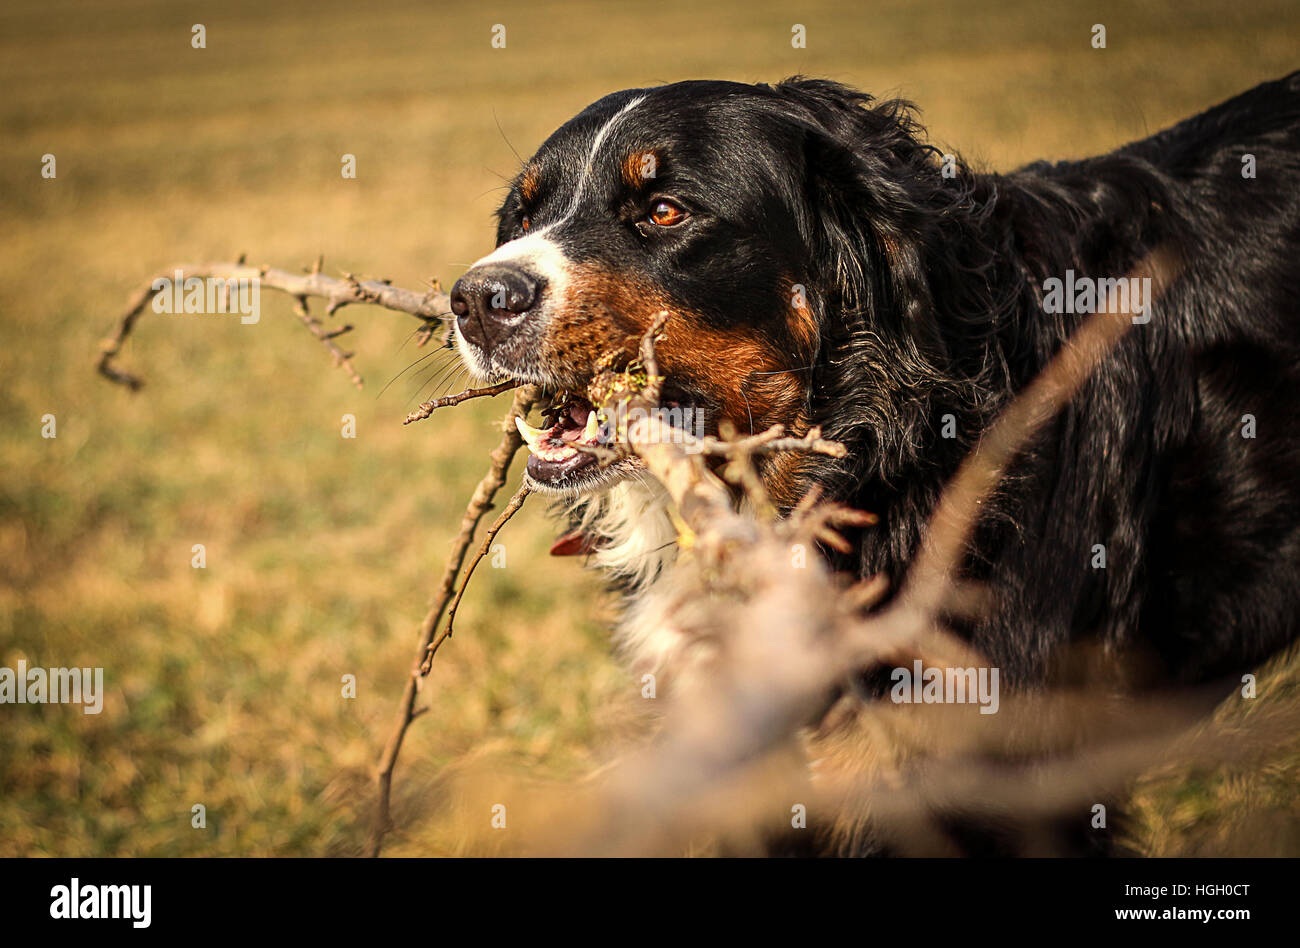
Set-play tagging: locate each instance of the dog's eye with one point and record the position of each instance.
(526, 223)
(666, 214)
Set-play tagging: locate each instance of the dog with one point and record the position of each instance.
(822, 264)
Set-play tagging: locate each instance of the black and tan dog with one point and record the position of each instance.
(823, 265)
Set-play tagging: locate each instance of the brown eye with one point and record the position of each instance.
(526, 223)
(666, 214)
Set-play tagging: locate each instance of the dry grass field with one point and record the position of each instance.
(223, 683)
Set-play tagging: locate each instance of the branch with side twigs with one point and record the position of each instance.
(480, 503)
(430, 307)
(771, 441)
(347, 290)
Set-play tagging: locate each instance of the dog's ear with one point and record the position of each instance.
(869, 179)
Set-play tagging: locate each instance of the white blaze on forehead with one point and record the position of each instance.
(615, 120)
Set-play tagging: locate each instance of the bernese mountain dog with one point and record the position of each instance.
(822, 264)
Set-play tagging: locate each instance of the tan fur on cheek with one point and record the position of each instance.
(803, 324)
(778, 477)
(742, 370)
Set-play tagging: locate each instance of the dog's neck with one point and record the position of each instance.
(635, 539)
(636, 547)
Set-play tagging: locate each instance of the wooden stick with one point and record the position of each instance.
(480, 503)
(429, 306)
(429, 407)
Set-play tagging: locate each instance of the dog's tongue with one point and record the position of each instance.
(573, 543)
(574, 423)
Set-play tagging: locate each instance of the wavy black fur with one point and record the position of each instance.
(931, 304)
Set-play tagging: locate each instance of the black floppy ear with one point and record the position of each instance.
(868, 179)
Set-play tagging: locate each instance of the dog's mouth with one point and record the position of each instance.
(560, 459)
(555, 456)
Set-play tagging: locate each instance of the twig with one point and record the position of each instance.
(341, 359)
(654, 381)
(429, 407)
(512, 508)
(771, 441)
(480, 503)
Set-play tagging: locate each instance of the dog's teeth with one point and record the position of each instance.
(592, 431)
(556, 454)
(532, 436)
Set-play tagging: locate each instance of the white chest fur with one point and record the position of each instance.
(639, 547)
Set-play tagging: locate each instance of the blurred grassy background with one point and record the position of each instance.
(224, 683)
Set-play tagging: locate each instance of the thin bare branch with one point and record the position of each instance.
(771, 441)
(429, 407)
(341, 359)
(512, 508)
(480, 503)
(337, 293)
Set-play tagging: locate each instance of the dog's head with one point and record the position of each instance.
(771, 223)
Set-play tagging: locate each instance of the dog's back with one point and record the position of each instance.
(1266, 117)
(1225, 570)
(1163, 510)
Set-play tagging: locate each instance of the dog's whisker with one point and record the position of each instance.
(427, 355)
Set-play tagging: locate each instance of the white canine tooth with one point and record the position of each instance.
(592, 431)
(532, 436)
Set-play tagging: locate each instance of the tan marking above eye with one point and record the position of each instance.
(529, 183)
(640, 167)
(666, 214)
(526, 223)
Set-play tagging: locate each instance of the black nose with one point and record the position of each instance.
(487, 299)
